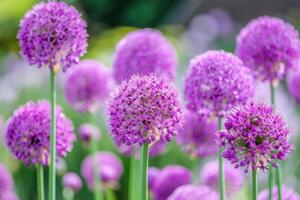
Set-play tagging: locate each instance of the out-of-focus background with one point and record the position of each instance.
(193, 26)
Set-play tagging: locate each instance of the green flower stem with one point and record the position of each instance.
(271, 183)
(221, 172)
(52, 176)
(254, 185)
(40, 181)
(109, 194)
(278, 180)
(133, 178)
(144, 171)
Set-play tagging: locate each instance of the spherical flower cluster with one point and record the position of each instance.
(194, 192)
(278, 48)
(197, 137)
(293, 84)
(144, 109)
(88, 85)
(234, 179)
(28, 133)
(88, 132)
(287, 194)
(52, 34)
(110, 169)
(169, 179)
(6, 180)
(72, 181)
(255, 136)
(143, 52)
(216, 82)
(153, 174)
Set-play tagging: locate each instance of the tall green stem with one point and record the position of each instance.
(40, 181)
(278, 180)
(254, 185)
(221, 173)
(52, 176)
(133, 178)
(144, 172)
(109, 194)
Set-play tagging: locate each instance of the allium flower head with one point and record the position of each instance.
(268, 46)
(143, 52)
(255, 136)
(153, 174)
(110, 168)
(216, 82)
(293, 84)
(287, 194)
(72, 181)
(28, 133)
(170, 178)
(197, 137)
(234, 179)
(52, 34)
(87, 132)
(144, 109)
(6, 180)
(88, 85)
(194, 192)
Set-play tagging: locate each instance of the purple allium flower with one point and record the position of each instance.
(6, 180)
(28, 133)
(87, 132)
(287, 194)
(197, 137)
(170, 178)
(234, 179)
(72, 181)
(144, 109)
(8, 195)
(110, 168)
(293, 84)
(143, 52)
(52, 34)
(255, 136)
(278, 48)
(194, 192)
(216, 82)
(153, 174)
(88, 85)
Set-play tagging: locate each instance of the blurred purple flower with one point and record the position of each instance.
(88, 85)
(278, 48)
(287, 194)
(255, 136)
(144, 109)
(216, 82)
(9, 195)
(170, 178)
(87, 132)
(72, 181)
(143, 52)
(224, 21)
(293, 84)
(153, 174)
(6, 181)
(28, 130)
(47, 38)
(194, 192)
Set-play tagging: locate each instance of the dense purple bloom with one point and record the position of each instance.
(144, 109)
(8, 195)
(88, 85)
(28, 133)
(278, 48)
(143, 52)
(234, 179)
(87, 132)
(110, 168)
(153, 174)
(197, 137)
(255, 136)
(293, 84)
(287, 194)
(72, 181)
(6, 180)
(216, 82)
(52, 34)
(194, 192)
(170, 178)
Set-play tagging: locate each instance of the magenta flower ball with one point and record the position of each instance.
(197, 136)
(88, 86)
(52, 34)
(110, 168)
(72, 181)
(169, 179)
(293, 84)
(287, 194)
(255, 137)
(269, 46)
(144, 109)
(153, 174)
(88, 132)
(143, 52)
(216, 82)
(9, 195)
(234, 179)
(194, 192)
(6, 180)
(28, 133)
